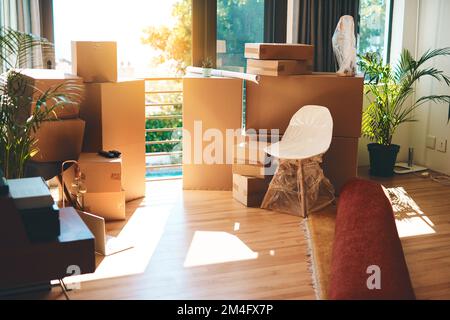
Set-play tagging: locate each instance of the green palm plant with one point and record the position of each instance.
(18, 120)
(388, 90)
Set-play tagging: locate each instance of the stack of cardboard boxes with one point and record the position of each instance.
(114, 112)
(274, 100)
(252, 167)
(61, 137)
(272, 59)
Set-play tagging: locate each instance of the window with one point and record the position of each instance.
(374, 27)
(238, 22)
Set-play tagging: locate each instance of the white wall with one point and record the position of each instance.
(434, 32)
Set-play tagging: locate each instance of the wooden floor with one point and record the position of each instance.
(204, 245)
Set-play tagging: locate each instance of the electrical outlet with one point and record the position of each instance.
(441, 145)
(431, 142)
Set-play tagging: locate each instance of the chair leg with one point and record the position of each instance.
(302, 189)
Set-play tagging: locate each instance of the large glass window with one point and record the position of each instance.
(374, 27)
(238, 22)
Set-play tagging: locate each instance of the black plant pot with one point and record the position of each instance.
(382, 159)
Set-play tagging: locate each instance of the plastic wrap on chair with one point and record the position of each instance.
(284, 192)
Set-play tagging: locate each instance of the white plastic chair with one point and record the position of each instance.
(299, 178)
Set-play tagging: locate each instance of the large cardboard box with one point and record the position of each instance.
(279, 67)
(279, 51)
(41, 80)
(340, 162)
(59, 140)
(210, 105)
(272, 103)
(249, 191)
(100, 174)
(109, 205)
(95, 61)
(115, 120)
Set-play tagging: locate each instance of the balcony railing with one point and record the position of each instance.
(163, 127)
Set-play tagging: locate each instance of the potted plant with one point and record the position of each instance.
(17, 122)
(207, 66)
(388, 90)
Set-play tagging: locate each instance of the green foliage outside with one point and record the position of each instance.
(372, 26)
(238, 22)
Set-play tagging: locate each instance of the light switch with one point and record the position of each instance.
(441, 145)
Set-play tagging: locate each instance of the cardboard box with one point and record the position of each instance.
(95, 61)
(109, 205)
(249, 191)
(272, 103)
(59, 140)
(279, 67)
(279, 51)
(215, 103)
(100, 174)
(114, 113)
(41, 80)
(255, 170)
(340, 162)
(251, 152)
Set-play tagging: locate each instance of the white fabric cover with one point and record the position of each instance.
(344, 46)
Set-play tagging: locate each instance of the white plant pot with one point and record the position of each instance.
(207, 72)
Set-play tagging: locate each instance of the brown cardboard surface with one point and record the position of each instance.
(217, 102)
(249, 191)
(272, 102)
(279, 51)
(109, 205)
(95, 61)
(100, 174)
(340, 162)
(45, 79)
(113, 113)
(279, 67)
(251, 152)
(59, 140)
(254, 170)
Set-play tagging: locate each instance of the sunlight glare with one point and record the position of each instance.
(211, 247)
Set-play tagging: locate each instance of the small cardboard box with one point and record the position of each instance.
(340, 162)
(251, 152)
(255, 170)
(100, 174)
(109, 205)
(59, 140)
(41, 80)
(249, 191)
(113, 113)
(279, 51)
(278, 67)
(95, 61)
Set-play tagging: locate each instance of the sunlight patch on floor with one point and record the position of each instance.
(212, 247)
(409, 218)
(143, 231)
